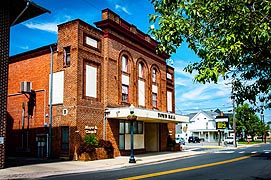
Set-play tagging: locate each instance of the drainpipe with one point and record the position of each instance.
(27, 5)
(50, 102)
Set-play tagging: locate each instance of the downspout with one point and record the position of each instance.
(50, 102)
(26, 7)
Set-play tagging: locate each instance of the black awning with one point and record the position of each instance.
(19, 11)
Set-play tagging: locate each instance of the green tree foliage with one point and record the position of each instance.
(248, 121)
(231, 38)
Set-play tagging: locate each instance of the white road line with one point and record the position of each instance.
(253, 152)
(242, 152)
(224, 152)
(193, 149)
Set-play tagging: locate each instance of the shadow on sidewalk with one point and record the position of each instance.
(21, 161)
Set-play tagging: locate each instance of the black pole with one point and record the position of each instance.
(132, 158)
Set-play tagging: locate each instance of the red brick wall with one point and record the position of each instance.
(35, 70)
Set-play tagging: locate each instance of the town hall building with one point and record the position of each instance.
(86, 83)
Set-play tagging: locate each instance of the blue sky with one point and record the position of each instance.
(42, 30)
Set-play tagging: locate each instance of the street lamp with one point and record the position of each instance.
(132, 117)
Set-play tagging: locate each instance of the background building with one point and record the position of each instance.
(207, 125)
(98, 72)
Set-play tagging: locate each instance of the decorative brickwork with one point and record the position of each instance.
(4, 46)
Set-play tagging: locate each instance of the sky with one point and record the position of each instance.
(189, 96)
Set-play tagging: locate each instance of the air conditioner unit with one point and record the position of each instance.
(26, 87)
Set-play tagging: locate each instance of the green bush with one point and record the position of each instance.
(91, 139)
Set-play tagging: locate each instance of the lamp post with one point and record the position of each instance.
(132, 117)
(262, 119)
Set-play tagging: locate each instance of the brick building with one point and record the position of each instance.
(98, 72)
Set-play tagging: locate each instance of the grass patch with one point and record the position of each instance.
(251, 142)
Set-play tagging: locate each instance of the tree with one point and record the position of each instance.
(248, 121)
(231, 37)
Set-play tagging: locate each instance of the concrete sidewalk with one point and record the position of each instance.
(65, 167)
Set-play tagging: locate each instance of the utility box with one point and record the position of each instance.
(26, 87)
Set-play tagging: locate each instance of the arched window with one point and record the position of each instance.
(140, 70)
(124, 62)
(154, 73)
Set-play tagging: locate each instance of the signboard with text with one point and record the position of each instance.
(222, 125)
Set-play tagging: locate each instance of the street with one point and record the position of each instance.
(228, 163)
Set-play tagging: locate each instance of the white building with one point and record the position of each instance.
(203, 125)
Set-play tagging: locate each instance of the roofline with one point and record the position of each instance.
(32, 53)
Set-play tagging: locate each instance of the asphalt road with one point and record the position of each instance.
(252, 163)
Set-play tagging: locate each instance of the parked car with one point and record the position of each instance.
(193, 139)
(180, 140)
(229, 140)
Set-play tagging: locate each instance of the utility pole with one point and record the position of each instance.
(233, 114)
(234, 120)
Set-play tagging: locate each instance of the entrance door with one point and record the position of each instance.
(65, 140)
(152, 137)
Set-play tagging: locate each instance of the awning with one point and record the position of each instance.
(146, 115)
(22, 10)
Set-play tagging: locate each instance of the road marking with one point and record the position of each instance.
(193, 149)
(224, 152)
(187, 168)
(242, 152)
(253, 152)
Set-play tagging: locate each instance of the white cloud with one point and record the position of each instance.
(49, 27)
(24, 47)
(117, 6)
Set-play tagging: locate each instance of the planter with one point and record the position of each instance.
(99, 153)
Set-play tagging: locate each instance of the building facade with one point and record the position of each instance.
(207, 125)
(97, 74)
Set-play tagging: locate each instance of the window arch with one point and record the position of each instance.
(125, 67)
(141, 70)
(155, 89)
(141, 82)
(154, 75)
(124, 63)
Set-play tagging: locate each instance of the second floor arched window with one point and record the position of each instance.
(124, 62)
(154, 75)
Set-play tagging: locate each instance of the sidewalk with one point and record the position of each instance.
(37, 170)
(65, 167)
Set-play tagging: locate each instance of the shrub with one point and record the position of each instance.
(91, 139)
(86, 148)
(107, 145)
